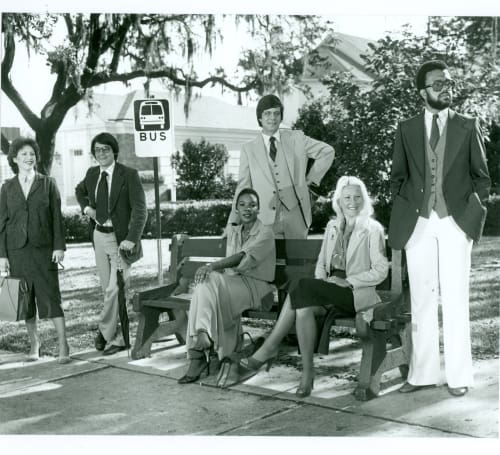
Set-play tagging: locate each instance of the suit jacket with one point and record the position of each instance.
(255, 171)
(466, 181)
(127, 204)
(37, 218)
(366, 261)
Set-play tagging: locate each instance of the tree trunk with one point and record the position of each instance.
(46, 139)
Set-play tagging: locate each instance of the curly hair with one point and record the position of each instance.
(425, 68)
(16, 145)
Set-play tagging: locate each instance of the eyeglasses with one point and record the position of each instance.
(440, 84)
(103, 149)
(271, 114)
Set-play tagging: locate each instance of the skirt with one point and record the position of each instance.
(36, 267)
(308, 292)
(216, 308)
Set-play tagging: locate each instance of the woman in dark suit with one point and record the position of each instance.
(32, 240)
(351, 263)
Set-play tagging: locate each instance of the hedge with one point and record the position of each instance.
(209, 218)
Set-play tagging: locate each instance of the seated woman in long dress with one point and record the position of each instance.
(226, 288)
(352, 261)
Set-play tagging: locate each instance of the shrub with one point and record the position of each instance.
(149, 177)
(77, 226)
(492, 223)
(210, 217)
(193, 218)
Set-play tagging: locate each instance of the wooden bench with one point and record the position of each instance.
(295, 259)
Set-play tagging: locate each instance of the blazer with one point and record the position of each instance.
(466, 180)
(37, 218)
(254, 171)
(127, 204)
(366, 261)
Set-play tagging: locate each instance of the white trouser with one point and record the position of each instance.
(439, 258)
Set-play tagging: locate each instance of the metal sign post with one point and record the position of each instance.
(154, 137)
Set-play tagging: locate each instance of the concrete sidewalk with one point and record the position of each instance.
(96, 395)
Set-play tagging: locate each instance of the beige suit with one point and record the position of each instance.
(255, 172)
(366, 262)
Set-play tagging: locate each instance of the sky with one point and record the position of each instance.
(34, 81)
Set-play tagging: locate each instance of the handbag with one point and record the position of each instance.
(14, 299)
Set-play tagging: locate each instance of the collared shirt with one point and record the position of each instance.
(267, 138)
(109, 170)
(441, 121)
(26, 180)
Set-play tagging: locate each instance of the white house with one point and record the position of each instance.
(210, 118)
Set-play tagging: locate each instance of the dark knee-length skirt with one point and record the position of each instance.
(36, 267)
(308, 292)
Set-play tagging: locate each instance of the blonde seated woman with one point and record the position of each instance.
(352, 261)
(226, 288)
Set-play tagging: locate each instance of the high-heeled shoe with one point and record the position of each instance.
(199, 363)
(34, 356)
(304, 391)
(64, 358)
(249, 366)
(252, 364)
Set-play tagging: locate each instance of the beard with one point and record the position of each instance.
(438, 103)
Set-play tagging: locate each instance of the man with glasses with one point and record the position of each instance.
(439, 183)
(111, 195)
(275, 164)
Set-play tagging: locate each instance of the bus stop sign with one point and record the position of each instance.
(153, 135)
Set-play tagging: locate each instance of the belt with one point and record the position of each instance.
(105, 229)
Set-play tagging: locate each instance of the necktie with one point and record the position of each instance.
(434, 132)
(102, 199)
(272, 148)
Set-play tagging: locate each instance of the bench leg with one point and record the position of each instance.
(148, 323)
(373, 353)
(149, 329)
(405, 337)
(383, 360)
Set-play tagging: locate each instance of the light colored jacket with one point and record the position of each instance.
(366, 261)
(255, 172)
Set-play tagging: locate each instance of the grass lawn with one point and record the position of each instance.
(82, 299)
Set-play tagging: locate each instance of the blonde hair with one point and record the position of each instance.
(366, 210)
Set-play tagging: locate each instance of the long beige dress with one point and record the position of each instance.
(218, 302)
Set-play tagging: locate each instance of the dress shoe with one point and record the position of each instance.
(457, 391)
(409, 388)
(113, 349)
(100, 341)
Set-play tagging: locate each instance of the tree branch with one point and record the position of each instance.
(7, 86)
(169, 73)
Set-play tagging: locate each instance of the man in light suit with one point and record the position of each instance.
(439, 184)
(275, 165)
(111, 195)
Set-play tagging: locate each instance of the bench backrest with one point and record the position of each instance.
(294, 259)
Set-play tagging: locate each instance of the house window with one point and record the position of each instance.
(77, 152)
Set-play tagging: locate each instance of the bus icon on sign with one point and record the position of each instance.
(151, 115)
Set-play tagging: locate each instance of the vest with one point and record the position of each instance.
(433, 185)
(284, 190)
